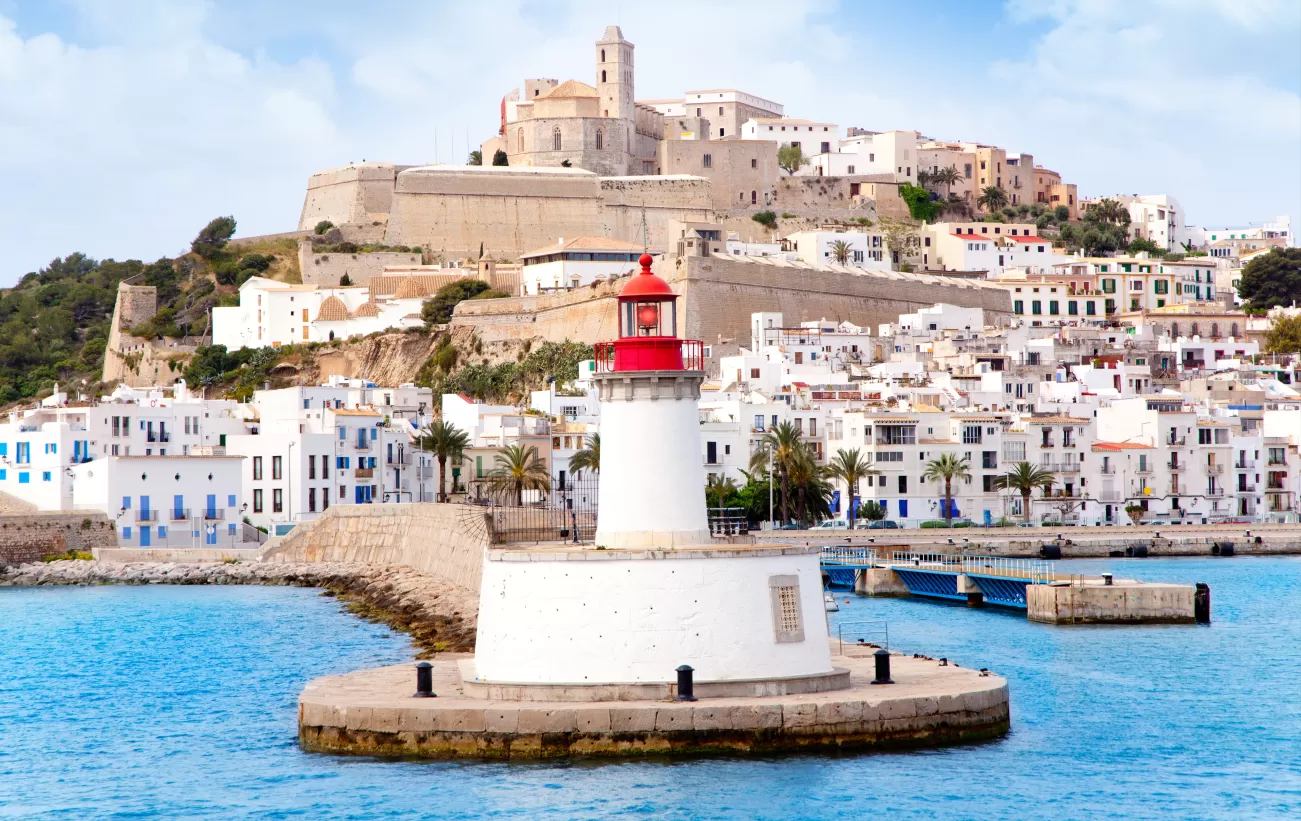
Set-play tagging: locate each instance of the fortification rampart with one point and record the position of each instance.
(33, 536)
(721, 292)
(328, 269)
(360, 193)
(134, 360)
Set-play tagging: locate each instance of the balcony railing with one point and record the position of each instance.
(1144, 469)
(146, 515)
(180, 514)
(1251, 488)
(1274, 461)
(399, 459)
(1109, 470)
(1214, 470)
(214, 514)
(362, 444)
(693, 354)
(364, 473)
(1274, 487)
(1176, 465)
(1215, 491)
(1244, 464)
(1062, 467)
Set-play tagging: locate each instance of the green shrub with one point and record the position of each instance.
(213, 238)
(766, 218)
(934, 524)
(322, 227)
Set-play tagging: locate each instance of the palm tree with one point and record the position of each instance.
(924, 178)
(841, 250)
(947, 468)
(447, 441)
(589, 458)
(518, 468)
(784, 442)
(1024, 478)
(992, 199)
(720, 486)
(948, 177)
(812, 490)
(849, 466)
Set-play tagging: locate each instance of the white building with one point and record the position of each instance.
(811, 136)
(577, 263)
(866, 250)
(893, 153)
(272, 313)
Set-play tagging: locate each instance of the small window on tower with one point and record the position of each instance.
(787, 622)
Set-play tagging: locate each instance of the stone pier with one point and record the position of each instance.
(372, 712)
(1123, 602)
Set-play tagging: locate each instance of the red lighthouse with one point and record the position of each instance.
(648, 330)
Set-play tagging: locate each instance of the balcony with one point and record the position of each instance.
(363, 473)
(1244, 464)
(1175, 441)
(180, 514)
(1108, 470)
(1176, 465)
(146, 515)
(1251, 488)
(1274, 461)
(1275, 487)
(1144, 469)
(214, 514)
(1215, 491)
(1111, 496)
(362, 444)
(1062, 467)
(158, 436)
(400, 460)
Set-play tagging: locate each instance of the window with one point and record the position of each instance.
(1052, 307)
(257, 500)
(754, 197)
(1018, 306)
(600, 138)
(311, 467)
(989, 459)
(903, 484)
(1072, 308)
(257, 468)
(707, 161)
(1036, 307)
(555, 138)
(311, 500)
(754, 163)
(275, 467)
(277, 501)
(786, 615)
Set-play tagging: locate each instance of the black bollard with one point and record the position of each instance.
(1202, 604)
(686, 689)
(882, 667)
(424, 681)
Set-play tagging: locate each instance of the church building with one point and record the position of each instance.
(572, 124)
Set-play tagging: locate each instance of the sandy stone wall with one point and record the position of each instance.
(32, 537)
(135, 361)
(445, 541)
(328, 269)
(720, 294)
(660, 200)
(360, 193)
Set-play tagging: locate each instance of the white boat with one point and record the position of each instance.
(829, 599)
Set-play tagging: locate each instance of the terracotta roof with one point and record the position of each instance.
(388, 284)
(1115, 446)
(1026, 239)
(585, 244)
(569, 88)
(410, 289)
(332, 310)
(366, 309)
(973, 236)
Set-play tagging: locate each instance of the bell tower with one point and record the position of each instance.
(614, 80)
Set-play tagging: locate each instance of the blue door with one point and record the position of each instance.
(178, 508)
(144, 535)
(210, 534)
(212, 506)
(144, 508)
(903, 508)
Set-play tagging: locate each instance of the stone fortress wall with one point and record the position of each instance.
(719, 294)
(135, 361)
(327, 270)
(30, 537)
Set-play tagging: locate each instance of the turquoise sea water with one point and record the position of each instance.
(179, 702)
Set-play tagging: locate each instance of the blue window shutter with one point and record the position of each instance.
(126, 502)
(230, 502)
(374, 434)
(126, 532)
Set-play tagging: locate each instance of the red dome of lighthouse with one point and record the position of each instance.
(646, 284)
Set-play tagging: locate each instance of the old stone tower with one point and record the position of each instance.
(614, 77)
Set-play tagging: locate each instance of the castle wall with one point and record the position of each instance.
(737, 168)
(328, 269)
(720, 293)
(360, 194)
(660, 199)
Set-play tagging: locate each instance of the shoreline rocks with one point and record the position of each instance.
(438, 615)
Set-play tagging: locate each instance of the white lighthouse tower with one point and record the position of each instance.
(616, 619)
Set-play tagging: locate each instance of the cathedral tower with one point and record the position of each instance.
(614, 80)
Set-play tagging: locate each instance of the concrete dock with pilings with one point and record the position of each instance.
(1030, 584)
(929, 703)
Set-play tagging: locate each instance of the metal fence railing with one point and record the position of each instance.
(728, 521)
(1034, 571)
(866, 633)
(566, 512)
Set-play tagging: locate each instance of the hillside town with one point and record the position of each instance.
(897, 331)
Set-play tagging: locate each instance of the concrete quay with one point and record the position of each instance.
(372, 712)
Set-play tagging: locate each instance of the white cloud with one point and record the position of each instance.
(125, 134)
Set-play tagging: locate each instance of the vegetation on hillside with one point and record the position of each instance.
(437, 310)
(448, 370)
(1284, 336)
(1272, 279)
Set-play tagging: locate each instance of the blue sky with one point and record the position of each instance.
(127, 124)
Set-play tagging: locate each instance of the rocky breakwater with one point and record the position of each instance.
(438, 615)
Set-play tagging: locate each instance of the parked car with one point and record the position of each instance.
(880, 524)
(831, 524)
(788, 526)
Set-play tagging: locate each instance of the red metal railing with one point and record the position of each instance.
(693, 354)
